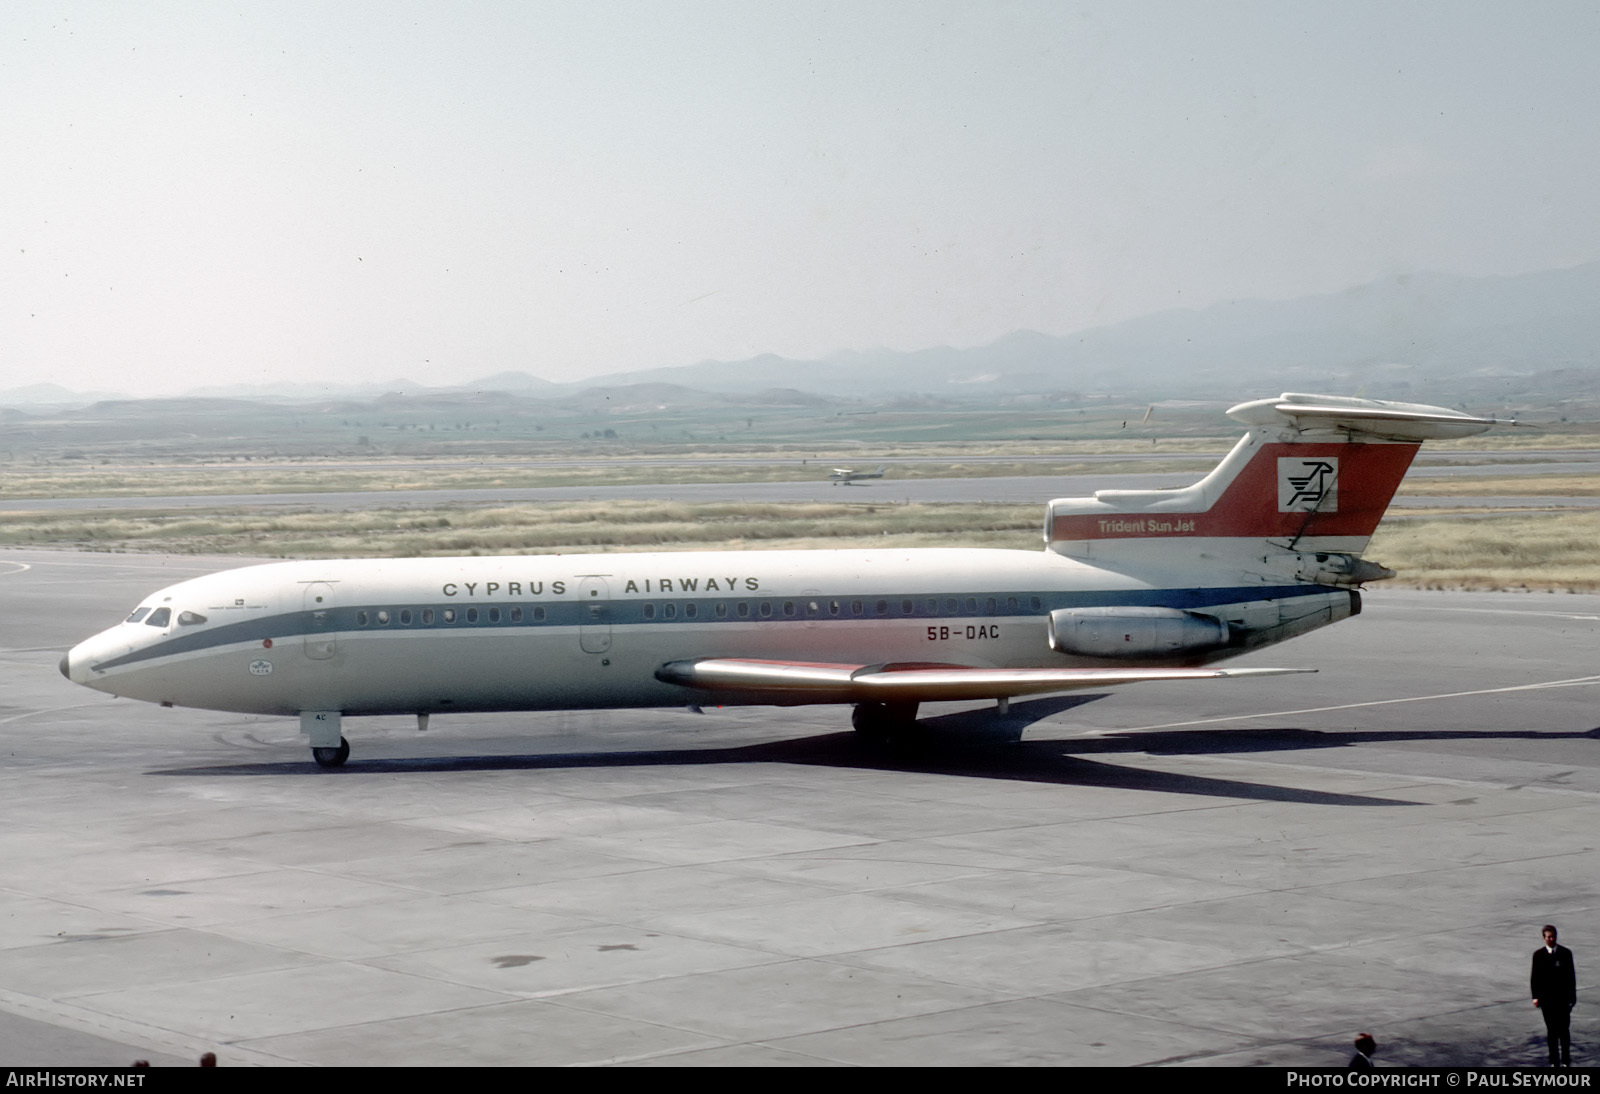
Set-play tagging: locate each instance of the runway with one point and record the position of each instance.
(1246, 872)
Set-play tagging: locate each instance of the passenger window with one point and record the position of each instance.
(449, 615)
(494, 615)
(361, 619)
(538, 615)
(744, 610)
(690, 611)
(189, 619)
(427, 616)
(472, 615)
(882, 607)
(670, 611)
(722, 610)
(649, 611)
(907, 608)
(972, 603)
(516, 615)
(138, 614)
(383, 618)
(159, 618)
(766, 609)
(405, 617)
(788, 607)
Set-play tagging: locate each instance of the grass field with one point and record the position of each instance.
(172, 448)
(1483, 551)
(1534, 551)
(322, 478)
(530, 529)
(288, 477)
(1555, 551)
(1467, 486)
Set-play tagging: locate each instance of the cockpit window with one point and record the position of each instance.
(138, 614)
(189, 619)
(159, 618)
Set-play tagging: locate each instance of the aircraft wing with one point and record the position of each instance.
(824, 682)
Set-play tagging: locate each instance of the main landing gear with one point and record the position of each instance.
(321, 727)
(332, 757)
(884, 723)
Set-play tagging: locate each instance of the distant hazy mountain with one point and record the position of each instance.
(1526, 336)
(1409, 331)
(304, 392)
(520, 383)
(51, 395)
(648, 396)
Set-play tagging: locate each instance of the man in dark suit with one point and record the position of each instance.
(1554, 984)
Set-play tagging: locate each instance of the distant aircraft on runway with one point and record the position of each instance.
(1132, 585)
(844, 476)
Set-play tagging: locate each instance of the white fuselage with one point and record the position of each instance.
(574, 631)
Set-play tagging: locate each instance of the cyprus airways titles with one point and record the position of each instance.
(1132, 585)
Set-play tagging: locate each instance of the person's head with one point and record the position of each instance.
(1365, 1044)
(1549, 933)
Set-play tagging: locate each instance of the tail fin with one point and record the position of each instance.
(1314, 475)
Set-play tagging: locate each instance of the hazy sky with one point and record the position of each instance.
(213, 192)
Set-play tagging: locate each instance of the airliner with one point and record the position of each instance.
(1132, 585)
(847, 475)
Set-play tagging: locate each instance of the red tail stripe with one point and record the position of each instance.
(1369, 474)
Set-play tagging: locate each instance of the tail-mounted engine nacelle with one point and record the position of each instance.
(1134, 632)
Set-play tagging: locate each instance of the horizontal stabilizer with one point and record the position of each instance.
(1403, 421)
(820, 682)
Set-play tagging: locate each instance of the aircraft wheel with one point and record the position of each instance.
(884, 723)
(332, 757)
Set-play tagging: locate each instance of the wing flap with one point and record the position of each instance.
(823, 682)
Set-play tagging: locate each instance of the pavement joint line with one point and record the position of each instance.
(1521, 612)
(134, 1033)
(1577, 681)
(1409, 780)
(51, 710)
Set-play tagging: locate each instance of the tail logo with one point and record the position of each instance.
(1308, 485)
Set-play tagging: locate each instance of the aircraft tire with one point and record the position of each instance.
(884, 723)
(332, 757)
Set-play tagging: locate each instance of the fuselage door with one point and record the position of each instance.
(319, 640)
(594, 615)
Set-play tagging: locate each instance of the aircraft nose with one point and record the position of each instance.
(66, 665)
